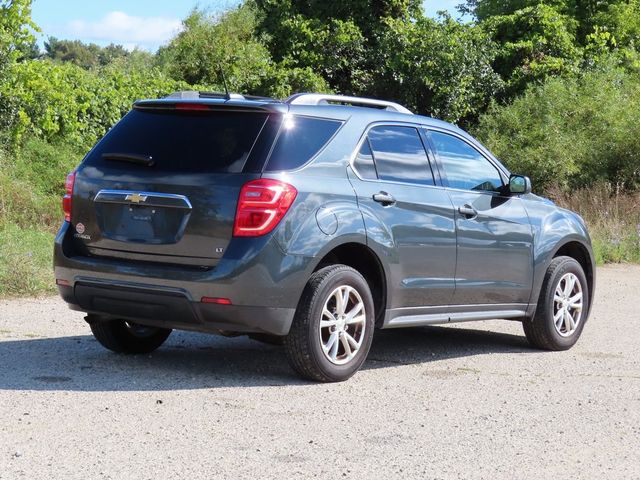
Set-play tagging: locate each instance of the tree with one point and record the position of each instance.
(212, 44)
(570, 131)
(338, 40)
(534, 43)
(387, 49)
(16, 31)
(85, 55)
(543, 38)
(441, 68)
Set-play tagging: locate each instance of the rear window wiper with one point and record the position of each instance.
(146, 160)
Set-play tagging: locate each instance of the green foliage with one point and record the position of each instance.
(539, 39)
(82, 54)
(534, 43)
(62, 101)
(25, 263)
(587, 14)
(441, 68)
(571, 132)
(385, 49)
(16, 31)
(209, 43)
(212, 44)
(31, 186)
(32, 183)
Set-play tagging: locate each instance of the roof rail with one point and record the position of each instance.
(324, 99)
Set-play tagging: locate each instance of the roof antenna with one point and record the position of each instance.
(227, 95)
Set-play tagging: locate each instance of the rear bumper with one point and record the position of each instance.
(169, 309)
(264, 288)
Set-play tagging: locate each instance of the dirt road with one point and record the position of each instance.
(466, 401)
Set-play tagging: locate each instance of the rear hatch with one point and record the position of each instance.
(163, 184)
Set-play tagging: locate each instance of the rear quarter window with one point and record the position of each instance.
(300, 139)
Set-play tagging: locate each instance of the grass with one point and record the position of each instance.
(613, 219)
(32, 182)
(26, 263)
(31, 186)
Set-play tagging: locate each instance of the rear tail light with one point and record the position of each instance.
(261, 206)
(68, 195)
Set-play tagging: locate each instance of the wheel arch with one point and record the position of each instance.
(570, 246)
(363, 259)
(581, 254)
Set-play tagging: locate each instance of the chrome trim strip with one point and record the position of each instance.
(152, 199)
(442, 318)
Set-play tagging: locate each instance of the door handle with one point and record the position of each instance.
(468, 211)
(384, 198)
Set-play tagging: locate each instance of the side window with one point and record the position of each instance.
(399, 155)
(464, 166)
(364, 162)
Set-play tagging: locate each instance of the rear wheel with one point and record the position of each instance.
(562, 307)
(122, 336)
(333, 326)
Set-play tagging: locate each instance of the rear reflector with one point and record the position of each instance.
(63, 283)
(216, 300)
(261, 206)
(67, 200)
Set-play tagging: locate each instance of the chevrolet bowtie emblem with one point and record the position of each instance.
(136, 198)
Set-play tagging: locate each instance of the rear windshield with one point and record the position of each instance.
(182, 141)
(300, 139)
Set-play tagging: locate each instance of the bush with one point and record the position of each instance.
(32, 183)
(570, 132)
(64, 102)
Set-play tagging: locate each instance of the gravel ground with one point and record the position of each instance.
(464, 401)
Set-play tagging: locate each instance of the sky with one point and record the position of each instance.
(145, 24)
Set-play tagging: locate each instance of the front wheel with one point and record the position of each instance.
(562, 307)
(121, 336)
(333, 326)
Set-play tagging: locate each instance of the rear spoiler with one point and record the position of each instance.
(212, 103)
(194, 100)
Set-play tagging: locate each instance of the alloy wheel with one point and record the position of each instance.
(342, 325)
(567, 305)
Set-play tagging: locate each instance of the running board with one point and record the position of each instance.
(441, 318)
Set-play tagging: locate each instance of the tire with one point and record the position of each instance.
(305, 341)
(547, 333)
(121, 336)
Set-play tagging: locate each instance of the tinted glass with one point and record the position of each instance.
(464, 166)
(399, 155)
(364, 162)
(300, 139)
(183, 141)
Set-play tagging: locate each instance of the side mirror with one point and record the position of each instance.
(519, 184)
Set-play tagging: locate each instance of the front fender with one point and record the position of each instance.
(553, 230)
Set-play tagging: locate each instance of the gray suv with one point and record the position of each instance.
(310, 222)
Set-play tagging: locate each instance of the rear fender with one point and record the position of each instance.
(315, 227)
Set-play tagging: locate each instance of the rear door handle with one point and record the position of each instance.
(384, 198)
(468, 211)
